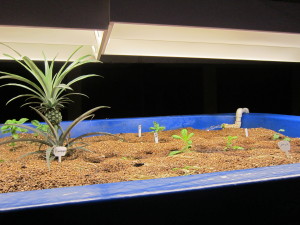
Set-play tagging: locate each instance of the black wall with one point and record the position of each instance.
(267, 15)
(152, 89)
(156, 89)
(90, 14)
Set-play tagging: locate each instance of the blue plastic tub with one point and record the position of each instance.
(268, 195)
(130, 125)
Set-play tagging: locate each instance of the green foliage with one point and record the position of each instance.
(229, 143)
(128, 158)
(286, 139)
(156, 127)
(10, 127)
(46, 88)
(186, 138)
(54, 139)
(42, 127)
(276, 136)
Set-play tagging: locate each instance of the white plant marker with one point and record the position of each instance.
(285, 146)
(60, 151)
(246, 132)
(156, 137)
(140, 130)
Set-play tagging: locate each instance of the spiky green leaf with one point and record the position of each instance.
(79, 119)
(31, 153)
(51, 127)
(93, 134)
(48, 155)
(25, 140)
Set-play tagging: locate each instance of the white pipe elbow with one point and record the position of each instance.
(238, 118)
(239, 113)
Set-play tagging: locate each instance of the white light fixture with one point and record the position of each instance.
(58, 43)
(152, 40)
(199, 42)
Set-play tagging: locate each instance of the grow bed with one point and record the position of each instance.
(70, 198)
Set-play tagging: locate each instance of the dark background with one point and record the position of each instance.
(158, 89)
(135, 87)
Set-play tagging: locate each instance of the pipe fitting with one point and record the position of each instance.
(238, 119)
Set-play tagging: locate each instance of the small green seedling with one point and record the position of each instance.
(156, 128)
(186, 138)
(276, 136)
(229, 143)
(125, 158)
(2, 161)
(188, 170)
(41, 127)
(13, 129)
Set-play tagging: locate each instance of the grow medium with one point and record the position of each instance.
(127, 157)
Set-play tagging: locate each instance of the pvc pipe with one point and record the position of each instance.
(238, 118)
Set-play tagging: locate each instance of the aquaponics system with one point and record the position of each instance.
(205, 65)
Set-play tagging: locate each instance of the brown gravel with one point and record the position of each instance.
(136, 158)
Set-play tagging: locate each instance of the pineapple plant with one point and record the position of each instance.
(54, 140)
(46, 89)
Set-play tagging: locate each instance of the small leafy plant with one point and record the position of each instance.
(186, 138)
(42, 127)
(10, 126)
(277, 136)
(229, 143)
(54, 139)
(156, 127)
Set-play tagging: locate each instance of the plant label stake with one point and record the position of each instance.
(59, 152)
(156, 137)
(285, 146)
(140, 130)
(246, 132)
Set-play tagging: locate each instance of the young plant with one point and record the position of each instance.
(188, 170)
(10, 127)
(42, 127)
(277, 136)
(186, 138)
(229, 143)
(155, 129)
(55, 140)
(46, 88)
